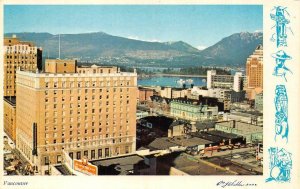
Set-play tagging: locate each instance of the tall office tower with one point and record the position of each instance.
(254, 73)
(18, 54)
(90, 112)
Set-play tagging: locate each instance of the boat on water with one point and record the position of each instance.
(204, 80)
(180, 81)
(190, 81)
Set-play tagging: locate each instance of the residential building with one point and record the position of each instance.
(254, 73)
(85, 114)
(18, 54)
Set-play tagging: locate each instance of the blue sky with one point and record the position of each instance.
(198, 25)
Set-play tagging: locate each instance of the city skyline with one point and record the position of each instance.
(147, 23)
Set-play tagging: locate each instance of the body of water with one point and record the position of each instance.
(172, 81)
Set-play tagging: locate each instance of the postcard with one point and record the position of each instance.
(151, 94)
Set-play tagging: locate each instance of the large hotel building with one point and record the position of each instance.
(84, 111)
(16, 54)
(254, 73)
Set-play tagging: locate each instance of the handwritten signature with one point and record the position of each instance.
(224, 184)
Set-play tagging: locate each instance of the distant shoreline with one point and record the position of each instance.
(171, 75)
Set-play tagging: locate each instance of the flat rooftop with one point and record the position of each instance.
(241, 126)
(223, 134)
(189, 165)
(118, 165)
(167, 142)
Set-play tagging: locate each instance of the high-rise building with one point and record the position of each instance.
(254, 73)
(86, 113)
(18, 54)
(234, 82)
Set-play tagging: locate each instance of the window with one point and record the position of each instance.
(78, 155)
(126, 149)
(58, 159)
(85, 153)
(46, 160)
(71, 155)
(99, 153)
(106, 152)
(92, 154)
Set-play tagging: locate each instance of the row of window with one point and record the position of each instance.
(108, 141)
(87, 84)
(87, 90)
(91, 155)
(47, 106)
(55, 99)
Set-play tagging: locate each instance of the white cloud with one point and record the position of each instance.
(201, 47)
(257, 31)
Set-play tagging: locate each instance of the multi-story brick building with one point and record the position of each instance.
(90, 114)
(18, 54)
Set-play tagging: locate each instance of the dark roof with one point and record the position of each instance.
(117, 165)
(223, 134)
(159, 122)
(11, 100)
(205, 125)
(187, 164)
(160, 99)
(208, 136)
(164, 143)
(145, 89)
(177, 122)
(210, 101)
(161, 144)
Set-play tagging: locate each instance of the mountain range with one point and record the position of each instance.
(108, 49)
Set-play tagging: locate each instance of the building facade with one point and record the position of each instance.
(10, 117)
(254, 73)
(259, 102)
(252, 133)
(60, 66)
(232, 82)
(85, 114)
(18, 54)
(144, 94)
(192, 110)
